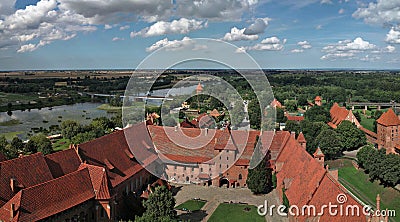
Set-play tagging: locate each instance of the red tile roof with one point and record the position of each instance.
(46, 199)
(109, 152)
(368, 132)
(318, 153)
(215, 113)
(318, 98)
(301, 138)
(26, 171)
(389, 118)
(199, 88)
(63, 162)
(308, 183)
(295, 118)
(99, 179)
(338, 114)
(275, 103)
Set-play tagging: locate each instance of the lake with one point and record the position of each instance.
(83, 113)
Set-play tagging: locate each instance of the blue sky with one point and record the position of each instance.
(118, 34)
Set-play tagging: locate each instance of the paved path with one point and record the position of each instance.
(217, 195)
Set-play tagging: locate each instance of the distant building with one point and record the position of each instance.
(275, 103)
(339, 114)
(388, 127)
(294, 118)
(318, 101)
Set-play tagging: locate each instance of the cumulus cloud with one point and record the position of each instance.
(318, 27)
(181, 26)
(380, 12)
(390, 48)
(238, 35)
(41, 24)
(393, 36)
(341, 11)
(173, 45)
(303, 45)
(257, 27)
(214, 9)
(125, 27)
(267, 44)
(347, 49)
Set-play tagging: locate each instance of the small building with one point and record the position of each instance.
(339, 114)
(318, 101)
(388, 127)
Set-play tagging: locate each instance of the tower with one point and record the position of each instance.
(319, 156)
(302, 140)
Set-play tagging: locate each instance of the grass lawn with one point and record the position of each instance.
(236, 212)
(11, 97)
(358, 183)
(10, 135)
(109, 108)
(367, 123)
(192, 205)
(61, 144)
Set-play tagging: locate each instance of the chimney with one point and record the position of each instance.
(12, 210)
(378, 202)
(13, 185)
(293, 134)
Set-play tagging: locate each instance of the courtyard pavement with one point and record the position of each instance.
(217, 195)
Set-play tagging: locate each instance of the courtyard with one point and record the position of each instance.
(221, 202)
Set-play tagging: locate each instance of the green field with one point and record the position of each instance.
(359, 184)
(109, 108)
(192, 205)
(10, 135)
(367, 123)
(61, 144)
(236, 212)
(6, 98)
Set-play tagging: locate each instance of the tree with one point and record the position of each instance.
(259, 179)
(330, 143)
(318, 114)
(291, 105)
(350, 136)
(302, 101)
(42, 143)
(17, 143)
(390, 173)
(70, 128)
(254, 114)
(159, 207)
(311, 130)
(364, 154)
(292, 126)
(237, 114)
(7, 149)
(280, 115)
(84, 137)
(358, 116)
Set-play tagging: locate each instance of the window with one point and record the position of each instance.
(227, 166)
(201, 169)
(192, 168)
(227, 158)
(240, 176)
(184, 168)
(175, 167)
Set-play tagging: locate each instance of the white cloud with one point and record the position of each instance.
(318, 27)
(390, 48)
(115, 39)
(125, 27)
(181, 26)
(173, 45)
(304, 45)
(107, 26)
(297, 50)
(341, 11)
(326, 2)
(269, 44)
(257, 27)
(393, 36)
(368, 58)
(347, 49)
(380, 12)
(27, 48)
(238, 35)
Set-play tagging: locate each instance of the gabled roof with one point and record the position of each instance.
(46, 199)
(63, 162)
(318, 98)
(318, 153)
(338, 114)
(199, 88)
(215, 113)
(109, 152)
(27, 171)
(389, 118)
(99, 179)
(301, 138)
(275, 103)
(295, 118)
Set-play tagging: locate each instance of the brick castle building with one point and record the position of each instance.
(88, 182)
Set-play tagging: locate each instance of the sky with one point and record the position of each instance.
(278, 34)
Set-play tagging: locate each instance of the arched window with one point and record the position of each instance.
(240, 176)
